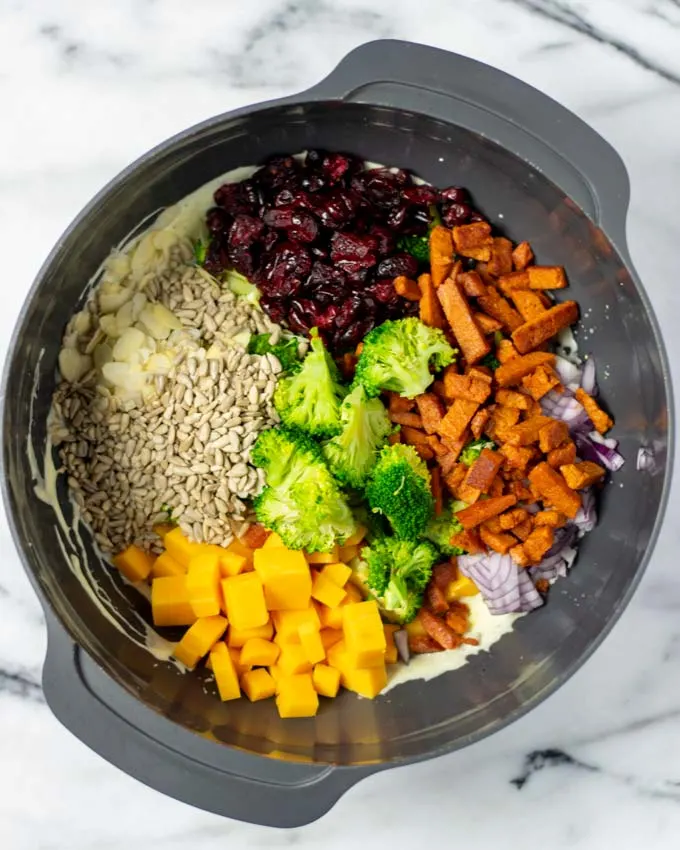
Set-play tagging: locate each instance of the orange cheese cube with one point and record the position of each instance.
(236, 658)
(134, 563)
(238, 637)
(326, 591)
(391, 652)
(244, 601)
(357, 537)
(276, 674)
(330, 618)
(338, 573)
(238, 548)
(259, 653)
(366, 682)
(323, 557)
(170, 604)
(349, 552)
(232, 564)
(203, 583)
(179, 547)
(311, 643)
(163, 528)
(286, 578)
(326, 680)
(297, 697)
(258, 684)
(330, 636)
(364, 634)
(225, 674)
(287, 624)
(460, 588)
(166, 565)
(199, 639)
(273, 542)
(293, 660)
(354, 595)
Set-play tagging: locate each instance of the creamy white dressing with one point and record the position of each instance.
(186, 219)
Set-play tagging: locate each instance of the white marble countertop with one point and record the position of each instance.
(87, 87)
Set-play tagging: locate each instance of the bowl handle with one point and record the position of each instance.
(229, 782)
(500, 107)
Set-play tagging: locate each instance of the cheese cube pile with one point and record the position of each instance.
(268, 621)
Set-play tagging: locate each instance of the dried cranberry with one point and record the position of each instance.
(299, 224)
(319, 252)
(284, 269)
(313, 182)
(235, 198)
(350, 337)
(379, 186)
(384, 292)
(397, 217)
(328, 294)
(455, 195)
(322, 275)
(270, 238)
(385, 239)
(336, 208)
(352, 252)
(398, 264)
(218, 220)
(302, 315)
(421, 195)
(274, 308)
(277, 173)
(245, 231)
(326, 320)
(454, 215)
(348, 311)
(242, 259)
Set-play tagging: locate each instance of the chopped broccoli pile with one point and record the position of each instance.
(397, 356)
(474, 449)
(490, 361)
(285, 351)
(440, 529)
(352, 453)
(416, 246)
(311, 398)
(301, 501)
(397, 573)
(399, 488)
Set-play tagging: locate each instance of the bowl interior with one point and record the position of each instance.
(544, 648)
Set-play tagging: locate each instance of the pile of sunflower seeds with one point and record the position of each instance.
(185, 451)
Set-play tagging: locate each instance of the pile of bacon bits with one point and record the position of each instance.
(500, 316)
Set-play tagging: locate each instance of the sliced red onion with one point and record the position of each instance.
(586, 518)
(505, 587)
(569, 372)
(609, 442)
(646, 462)
(555, 566)
(588, 377)
(589, 449)
(564, 536)
(401, 641)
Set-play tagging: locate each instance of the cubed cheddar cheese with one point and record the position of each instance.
(286, 578)
(326, 591)
(170, 604)
(225, 674)
(312, 645)
(199, 639)
(203, 583)
(258, 652)
(166, 565)
(287, 624)
(273, 542)
(349, 552)
(293, 660)
(330, 618)
(367, 682)
(338, 573)
(239, 548)
(238, 637)
(324, 557)
(163, 528)
(134, 563)
(460, 588)
(244, 601)
(364, 634)
(258, 684)
(297, 697)
(179, 547)
(231, 564)
(391, 652)
(276, 674)
(326, 680)
(357, 537)
(330, 636)
(236, 658)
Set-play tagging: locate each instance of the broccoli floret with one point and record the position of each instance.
(397, 573)
(397, 356)
(301, 501)
(352, 453)
(399, 488)
(310, 399)
(440, 529)
(474, 449)
(490, 361)
(286, 351)
(416, 246)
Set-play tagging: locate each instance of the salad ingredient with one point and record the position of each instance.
(540, 329)
(583, 474)
(134, 563)
(441, 529)
(286, 351)
(474, 449)
(399, 488)
(552, 487)
(170, 603)
(285, 578)
(469, 335)
(244, 601)
(429, 307)
(416, 246)
(296, 696)
(398, 572)
(258, 684)
(397, 356)
(199, 639)
(599, 418)
(505, 586)
(302, 502)
(310, 399)
(365, 425)
(484, 510)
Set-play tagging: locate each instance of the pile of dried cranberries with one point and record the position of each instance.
(320, 240)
